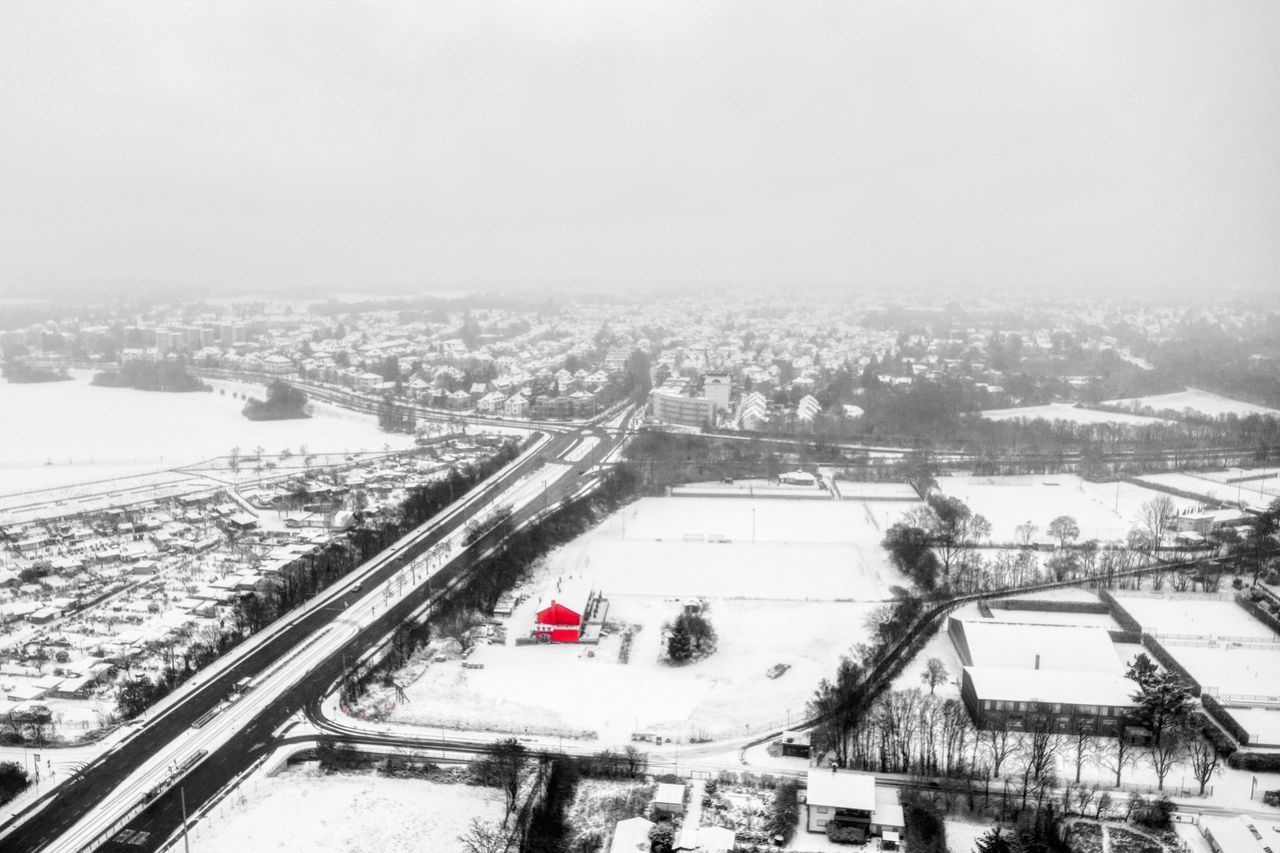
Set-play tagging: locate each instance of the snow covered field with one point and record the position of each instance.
(1067, 412)
(826, 578)
(1204, 402)
(64, 432)
(305, 810)
(1104, 511)
(1194, 614)
(1245, 657)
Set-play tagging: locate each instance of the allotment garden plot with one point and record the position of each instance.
(792, 601)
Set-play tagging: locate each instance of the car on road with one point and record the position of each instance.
(357, 588)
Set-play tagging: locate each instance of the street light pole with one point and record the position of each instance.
(186, 845)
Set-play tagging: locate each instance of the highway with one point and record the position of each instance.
(298, 659)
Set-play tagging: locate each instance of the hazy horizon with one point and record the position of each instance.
(286, 148)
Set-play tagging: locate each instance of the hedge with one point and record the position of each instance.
(1256, 609)
(1130, 637)
(1223, 744)
(1050, 606)
(1118, 613)
(1248, 759)
(1222, 715)
(1161, 654)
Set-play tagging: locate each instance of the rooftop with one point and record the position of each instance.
(1074, 688)
(842, 790)
(1022, 646)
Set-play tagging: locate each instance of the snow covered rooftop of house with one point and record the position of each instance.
(844, 790)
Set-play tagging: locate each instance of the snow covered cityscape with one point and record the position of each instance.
(640, 428)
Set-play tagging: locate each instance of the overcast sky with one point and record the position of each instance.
(1091, 143)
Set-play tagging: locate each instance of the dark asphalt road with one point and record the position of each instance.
(77, 797)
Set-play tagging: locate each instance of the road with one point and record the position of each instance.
(309, 652)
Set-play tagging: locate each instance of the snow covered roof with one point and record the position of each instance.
(1054, 686)
(631, 836)
(888, 814)
(1020, 646)
(1241, 833)
(669, 792)
(716, 839)
(842, 790)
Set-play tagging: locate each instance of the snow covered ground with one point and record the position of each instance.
(1104, 511)
(1067, 412)
(800, 603)
(347, 813)
(57, 433)
(962, 834)
(1204, 402)
(1200, 614)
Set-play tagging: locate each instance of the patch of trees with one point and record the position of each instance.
(393, 417)
(284, 402)
(691, 636)
(936, 540)
(20, 373)
(169, 376)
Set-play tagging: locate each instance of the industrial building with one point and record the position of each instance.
(1041, 677)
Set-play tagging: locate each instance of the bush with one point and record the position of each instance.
(785, 812)
(1155, 814)
(926, 832)
(846, 834)
(13, 780)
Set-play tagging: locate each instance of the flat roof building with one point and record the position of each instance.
(1041, 677)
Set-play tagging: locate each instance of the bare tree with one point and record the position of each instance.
(1086, 743)
(485, 837)
(1155, 516)
(1104, 805)
(935, 673)
(1204, 760)
(1065, 529)
(502, 768)
(1117, 756)
(1039, 751)
(999, 746)
(1084, 796)
(1165, 752)
(1026, 531)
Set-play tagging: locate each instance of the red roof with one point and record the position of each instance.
(558, 614)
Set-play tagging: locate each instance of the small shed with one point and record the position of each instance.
(795, 744)
(631, 836)
(669, 798)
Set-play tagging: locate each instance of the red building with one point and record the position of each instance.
(557, 623)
